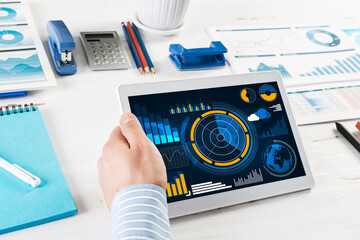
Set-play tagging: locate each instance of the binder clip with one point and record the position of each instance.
(61, 42)
(186, 59)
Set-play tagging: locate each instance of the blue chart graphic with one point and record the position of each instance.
(312, 37)
(278, 129)
(321, 101)
(10, 37)
(190, 108)
(263, 68)
(221, 141)
(15, 69)
(347, 65)
(354, 34)
(157, 129)
(279, 159)
(7, 13)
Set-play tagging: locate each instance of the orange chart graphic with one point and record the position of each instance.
(178, 187)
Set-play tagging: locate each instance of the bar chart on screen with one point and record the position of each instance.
(177, 185)
(157, 128)
(189, 107)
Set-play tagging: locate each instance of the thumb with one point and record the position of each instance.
(132, 130)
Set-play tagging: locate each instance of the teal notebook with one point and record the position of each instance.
(25, 142)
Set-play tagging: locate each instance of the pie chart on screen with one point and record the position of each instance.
(248, 95)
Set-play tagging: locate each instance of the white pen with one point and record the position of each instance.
(20, 173)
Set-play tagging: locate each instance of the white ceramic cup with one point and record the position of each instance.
(162, 14)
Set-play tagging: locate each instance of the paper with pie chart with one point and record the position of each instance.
(223, 139)
(23, 62)
(304, 55)
(11, 12)
(15, 37)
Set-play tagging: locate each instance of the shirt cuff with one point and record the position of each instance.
(140, 212)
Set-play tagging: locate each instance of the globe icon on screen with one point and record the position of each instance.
(279, 159)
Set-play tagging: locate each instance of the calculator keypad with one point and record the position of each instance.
(104, 53)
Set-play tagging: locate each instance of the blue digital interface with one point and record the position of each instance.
(220, 139)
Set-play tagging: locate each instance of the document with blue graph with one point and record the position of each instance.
(302, 54)
(23, 61)
(320, 65)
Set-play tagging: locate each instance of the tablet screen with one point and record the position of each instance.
(220, 139)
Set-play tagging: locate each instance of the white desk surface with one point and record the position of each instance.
(82, 110)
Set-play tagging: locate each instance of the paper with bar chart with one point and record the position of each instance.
(302, 54)
(325, 102)
(223, 139)
(23, 62)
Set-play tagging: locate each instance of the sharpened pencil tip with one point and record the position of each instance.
(140, 70)
(153, 70)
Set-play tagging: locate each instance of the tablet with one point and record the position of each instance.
(224, 140)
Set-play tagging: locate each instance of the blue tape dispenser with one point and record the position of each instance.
(186, 59)
(60, 44)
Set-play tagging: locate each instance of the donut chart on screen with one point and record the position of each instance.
(10, 37)
(268, 93)
(221, 141)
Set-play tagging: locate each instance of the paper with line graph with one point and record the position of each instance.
(302, 54)
(23, 61)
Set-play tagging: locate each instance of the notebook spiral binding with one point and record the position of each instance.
(17, 108)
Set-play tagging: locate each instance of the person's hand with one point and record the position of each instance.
(129, 157)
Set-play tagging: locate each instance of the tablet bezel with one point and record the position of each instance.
(223, 199)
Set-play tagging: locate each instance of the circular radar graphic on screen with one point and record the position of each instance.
(10, 37)
(221, 141)
(279, 159)
(323, 38)
(248, 95)
(7, 13)
(268, 93)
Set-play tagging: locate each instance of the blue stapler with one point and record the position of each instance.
(61, 43)
(186, 59)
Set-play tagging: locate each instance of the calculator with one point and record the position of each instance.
(104, 50)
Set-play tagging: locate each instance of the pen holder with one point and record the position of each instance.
(162, 14)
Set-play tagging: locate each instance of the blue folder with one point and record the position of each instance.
(25, 142)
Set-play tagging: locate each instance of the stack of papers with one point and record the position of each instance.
(320, 65)
(23, 62)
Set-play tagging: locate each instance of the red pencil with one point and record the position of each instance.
(138, 48)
